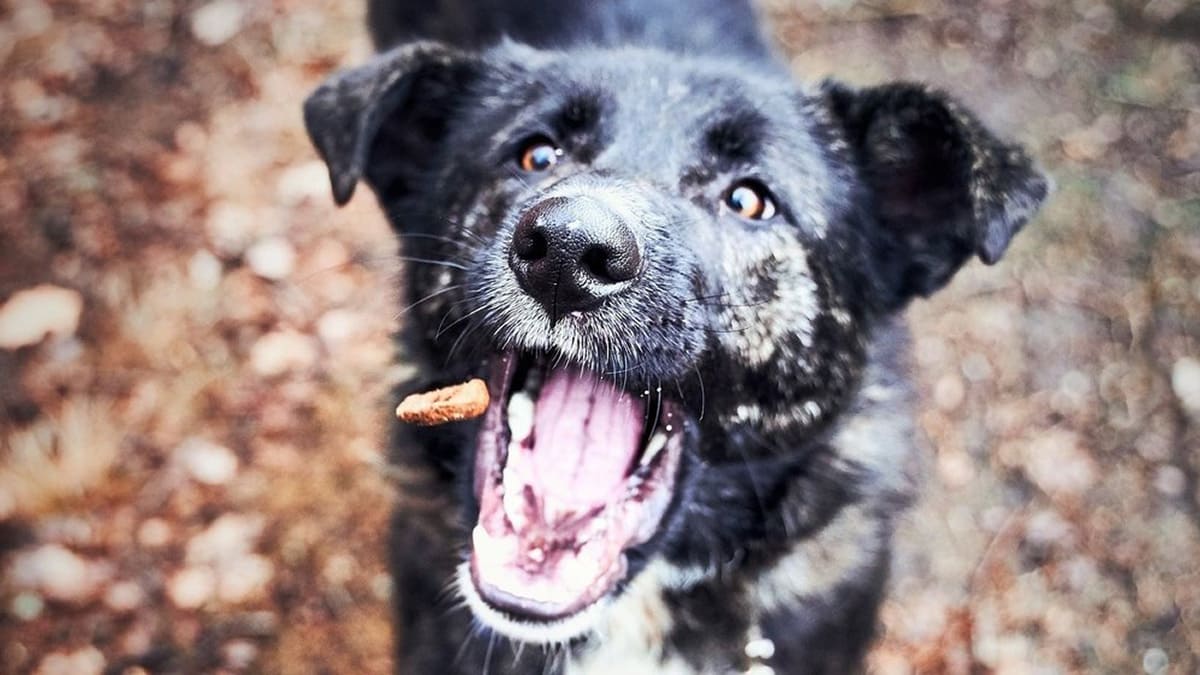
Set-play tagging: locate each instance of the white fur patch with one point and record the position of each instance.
(630, 637)
(816, 565)
(755, 327)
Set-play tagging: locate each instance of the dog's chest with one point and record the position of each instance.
(633, 637)
(646, 634)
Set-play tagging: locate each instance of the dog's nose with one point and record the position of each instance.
(571, 253)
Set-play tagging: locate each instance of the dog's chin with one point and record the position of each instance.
(571, 472)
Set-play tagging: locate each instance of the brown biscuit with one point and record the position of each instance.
(449, 404)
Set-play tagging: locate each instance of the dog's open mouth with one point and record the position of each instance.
(571, 471)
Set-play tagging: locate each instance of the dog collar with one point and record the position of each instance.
(758, 649)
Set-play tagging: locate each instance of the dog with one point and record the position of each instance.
(682, 276)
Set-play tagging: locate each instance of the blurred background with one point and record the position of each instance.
(195, 353)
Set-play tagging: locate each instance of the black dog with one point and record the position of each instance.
(681, 276)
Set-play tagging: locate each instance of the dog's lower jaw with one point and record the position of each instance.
(555, 633)
(624, 634)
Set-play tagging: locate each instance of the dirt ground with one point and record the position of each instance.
(195, 352)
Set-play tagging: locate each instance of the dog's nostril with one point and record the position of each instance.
(609, 264)
(596, 261)
(530, 245)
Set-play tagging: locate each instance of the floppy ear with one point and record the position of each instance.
(410, 89)
(943, 186)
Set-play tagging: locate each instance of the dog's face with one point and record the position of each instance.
(667, 270)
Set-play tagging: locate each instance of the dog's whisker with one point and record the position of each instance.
(465, 317)
(700, 380)
(431, 261)
(469, 245)
(458, 341)
(704, 298)
(487, 659)
(428, 297)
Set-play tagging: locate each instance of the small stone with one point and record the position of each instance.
(228, 538)
(215, 23)
(27, 606)
(382, 586)
(1155, 661)
(1057, 462)
(138, 640)
(239, 654)
(1084, 145)
(1170, 480)
(272, 258)
(85, 661)
(1047, 529)
(244, 578)
(339, 569)
(192, 587)
(302, 182)
(204, 269)
(30, 18)
(338, 326)
(225, 549)
(207, 462)
(1041, 62)
(281, 352)
(58, 573)
(154, 533)
(955, 468)
(230, 227)
(976, 367)
(949, 392)
(1185, 380)
(124, 596)
(32, 314)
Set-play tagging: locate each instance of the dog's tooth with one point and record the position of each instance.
(520, 416)
(513, 498)
(657, 442)
(536, 554)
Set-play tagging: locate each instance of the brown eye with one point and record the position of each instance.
(750, 199)
(539, 155)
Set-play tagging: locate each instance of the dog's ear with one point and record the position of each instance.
(943, 187)
(412, 89)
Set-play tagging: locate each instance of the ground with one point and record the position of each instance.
(195, 353)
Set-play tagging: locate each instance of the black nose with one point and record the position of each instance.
(571, 253)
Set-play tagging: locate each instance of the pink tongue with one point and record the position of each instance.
(586, 434)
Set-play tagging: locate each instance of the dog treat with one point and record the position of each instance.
(449, 404)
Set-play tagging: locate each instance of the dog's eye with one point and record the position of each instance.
(750, 199)
(538, 155)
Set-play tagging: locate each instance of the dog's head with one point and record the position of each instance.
(666, 268)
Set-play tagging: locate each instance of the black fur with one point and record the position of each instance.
(779, 338)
